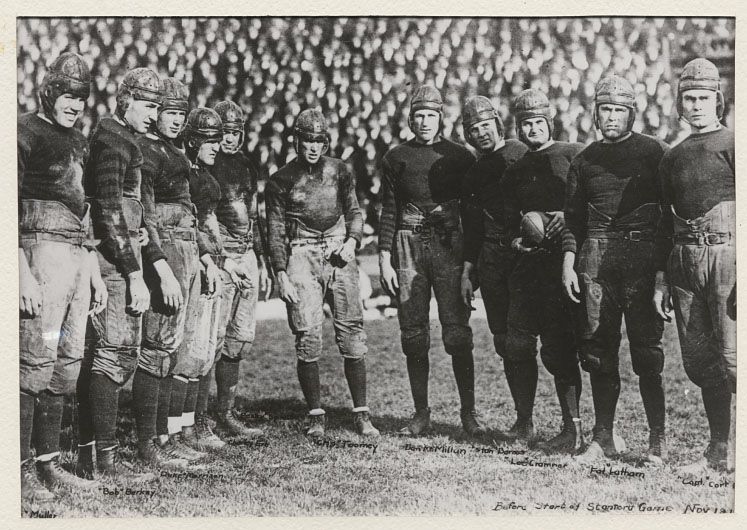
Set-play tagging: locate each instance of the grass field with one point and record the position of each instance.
(290, 475)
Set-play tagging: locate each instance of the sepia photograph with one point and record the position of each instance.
(376, 266)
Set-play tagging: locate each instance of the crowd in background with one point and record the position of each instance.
(361, 71)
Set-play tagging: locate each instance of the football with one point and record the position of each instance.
(533, 228)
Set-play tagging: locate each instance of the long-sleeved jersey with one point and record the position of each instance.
(51, 159)
(111, 174)
(695, 176)
(237, 209)
(205, 193)
(424, 175)
(482, 197)
(314, 195)
(536, 182)
(165, 179)
(615, 178)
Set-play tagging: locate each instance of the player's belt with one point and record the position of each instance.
(628, 235)
(181, 233)
(72, 238)
(703, 238)
(320, 241)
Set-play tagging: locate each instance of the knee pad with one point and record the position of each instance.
(309, 344)
(416, 342)
(457, 339)
(236, 349)
(499, 342)
(520, 346)
(353, 346)
(646, 362)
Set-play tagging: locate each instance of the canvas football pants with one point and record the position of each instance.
(703, 276)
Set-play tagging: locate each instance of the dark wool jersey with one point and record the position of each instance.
(536, 182)
(482, 195)
(205, 193)
(51, 159)
(615, 178)
(317, 196)
(696, 175)
(165, 179)
(424, 175)
(112, 173)
(237, 209)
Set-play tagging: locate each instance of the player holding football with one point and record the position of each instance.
(612, 212)
(486, 245)
(536, 182)
(314, 226)
(698, 189)
(420, 248)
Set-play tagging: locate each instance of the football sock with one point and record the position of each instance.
(83, 399)
(568, 404)
(145, 393)
(203, 395)
(47, 423)
(27, 424)
(418, 370)
(652, 394)
(104, 407)
(226, 380)
(164, 401)
(179, 386)
(190, 402)
(308, 376)
(522, 382)
(464, 373)
(717, 402)
(605, 390)
(355, 373)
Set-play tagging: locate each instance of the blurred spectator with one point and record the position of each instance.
(360, 71)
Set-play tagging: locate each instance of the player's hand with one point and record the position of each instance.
(555, 225)
(347, 250)
(240, 276)
(468, 296)
(99, 294)
(138, 294)
(388, 274)
(212, 277)
(265, 283)
(662, 297)
(517, 245)
(30, 295)
(731, 303)
(142, 237)
(171, 291)
(287, 290)
(570, 284)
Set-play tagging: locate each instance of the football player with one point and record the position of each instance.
(611, 213)
(59, 273)
(237, 219)
(315, 226)
(112, 181)
(486, 245)
(420, 248)
(698, 190)
(536, 182)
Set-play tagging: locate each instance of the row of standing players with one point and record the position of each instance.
(159, 217)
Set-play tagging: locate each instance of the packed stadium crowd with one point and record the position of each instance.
(361, 71)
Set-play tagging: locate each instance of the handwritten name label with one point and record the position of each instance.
(446, 449)
(573, 506)
(331, 443)
(610, 471)
(250, 443)
(496, 451)
(716, 483)
(531, 462)
(192, 475)
(127, 491)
